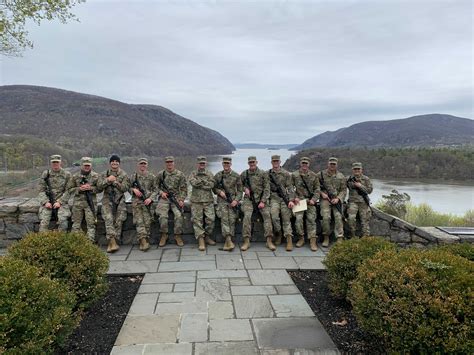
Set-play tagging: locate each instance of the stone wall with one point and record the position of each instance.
(18, 216)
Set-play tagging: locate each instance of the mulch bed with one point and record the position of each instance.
(348, 338)
(102, 321)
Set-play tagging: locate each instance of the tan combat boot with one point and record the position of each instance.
(163, 239)
(202, 244)
(270, 244)
(231, 244)
(300, 241)
(144, 245)
(339, 239)
(227, 244)
(277, 238)
(209, 241)
(179, 240)
(289, 244)
(113, 246)
(326, 241)
(246, 244)
(313, 245)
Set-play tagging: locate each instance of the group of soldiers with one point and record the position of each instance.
(274, 196)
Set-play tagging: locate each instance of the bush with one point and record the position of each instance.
(418, 301)
(394, 204)
(423, 215)
(465, 250)
(68, 257)
(344, 258)
(35, 311)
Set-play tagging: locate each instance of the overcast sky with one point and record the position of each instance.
(262, 71)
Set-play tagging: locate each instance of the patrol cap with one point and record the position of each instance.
(169, 159)
(55, 158)
(142, 160)
(201, 159)
(226, 159)
(332, 160)
(356, 165)
(304, 160)
(86, 161)
(275, 157)
(252, 158)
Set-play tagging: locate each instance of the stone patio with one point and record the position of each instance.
(216, 302)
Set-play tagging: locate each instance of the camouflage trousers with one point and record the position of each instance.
(364, 215)
(310, 216)
(162, 210)
(278, 207)
(81, 209)
(228, 218)
(142, 219)
(247, 208)
(45, 217)
(113, 224)
(326, 208)
(203, 211)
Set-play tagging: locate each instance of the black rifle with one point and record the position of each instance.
(171, 194)
(279, 190)
(228, 195)
(50, 195)
(331, 196)
(136, 184)
(311, 195)
(88, 193)
(112, 196)
(252, 195)
(352, 179)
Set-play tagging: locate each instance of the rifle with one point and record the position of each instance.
(311, 195)
(252, 195)
(112, 198)
(171, 194)
(136, 185)
(361, 192)
(331, 196)
(50, 195)
(88, 193)
(228, 195)
(279, 189)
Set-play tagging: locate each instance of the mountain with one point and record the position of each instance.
(98, 126)
(425, 130)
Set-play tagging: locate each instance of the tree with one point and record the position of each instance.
(15, 13)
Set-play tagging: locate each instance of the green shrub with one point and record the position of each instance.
(423, 215)
(466, 250)
(418, 301)
(344, 258)
(68, 257)
(394, 204)
(35, 311)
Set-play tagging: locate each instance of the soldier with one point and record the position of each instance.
(114, 182)
(359, 186)
(281, 196)
(333, 191)
(307, 188)
(202, 203)
(228, 188)
(84, 187)
(142, 191)
(172, 190)
(256, 194)
(53, 195)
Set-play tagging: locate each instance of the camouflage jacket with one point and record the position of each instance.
(202, 182)
(147, 184)
(58, 182)
(354, 196)
(114, 190)
(259, 184)
(311, 188)
(79, 179)
(336, 184)
(232, 183)
(175, 181)
(283, 179)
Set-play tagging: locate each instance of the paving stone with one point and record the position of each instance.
(303, 251)
(117, 257)
(221, 310)
(249, 255)
(280, 262)
(287, 290)
(169, 349)
(290, 306)
(151, 254)
(252, 307)
(192, 252)
(216, 274)
(267, 253)
(201, 257)
(230, 330)
(148, 330)
(187, 306)
(127, 350)
(170, 255)
(187, 266)
(227, 348)
(169, 277)
(155, 288)
(143, 304)
(232, 262)
(316, 352)
(217, 249)
(124, 250)
(292, 333)
(243, 281)
(308, 262)
(252, 264)
(174, 297)
(184, 287)
(257, 247)
(213, 289)
(133, 267)
(253, 290)
(193, 328)
(270, 277)
(275, 352)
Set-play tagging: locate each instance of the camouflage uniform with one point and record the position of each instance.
(58, 181)
(357, 204)
(143, 215)
(278, 205)
(202, 202)
(114, 191)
